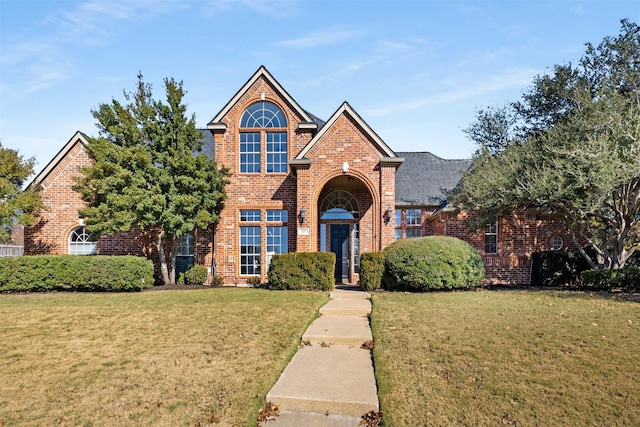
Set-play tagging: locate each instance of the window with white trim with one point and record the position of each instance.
(277, 152)
(413, 217)
(277, 235)
(557, 243)
(250, 152)
(491, 238)
(250, 250)
(413, 232)
(80, 242)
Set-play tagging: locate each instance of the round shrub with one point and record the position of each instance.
(196, 275)
(432, 263)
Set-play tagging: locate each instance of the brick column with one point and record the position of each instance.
(305, 232)
(388, 166)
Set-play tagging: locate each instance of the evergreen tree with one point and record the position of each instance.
(17, 207)
(145, 173)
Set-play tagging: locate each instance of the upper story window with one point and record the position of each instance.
(80, 242)
(263, 114)
(251, 215)
(250, 152)
(256, 145)
(414, 217)
(276, 152)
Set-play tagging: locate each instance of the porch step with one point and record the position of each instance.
(349, 292)
(340, 330)
(313, 419)
(346, 306)
(334, 380)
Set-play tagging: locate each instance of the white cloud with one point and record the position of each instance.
(321, 38)
(509, 79)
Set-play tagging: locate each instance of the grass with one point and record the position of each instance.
(153, 358)
(525, 358)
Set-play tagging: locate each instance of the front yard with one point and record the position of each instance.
(526, 358)
(153, 358)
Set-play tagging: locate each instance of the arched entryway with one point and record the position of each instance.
(344, 208)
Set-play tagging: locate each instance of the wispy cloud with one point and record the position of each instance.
(509, 79)
(321, 38)
(48, 57)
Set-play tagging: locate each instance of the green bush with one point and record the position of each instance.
(302, 271)
(558, 268)
(371, 270)
(626, 279)
(432, 263)
(254, 282)
(196, 275)
(75, 273)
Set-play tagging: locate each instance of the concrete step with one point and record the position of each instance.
(346, 307)
(349, 293)
(341, 330)
(334, 380)
(312, 419)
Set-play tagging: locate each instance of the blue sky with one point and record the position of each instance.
(416, 71)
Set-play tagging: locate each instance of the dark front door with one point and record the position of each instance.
(340, 247)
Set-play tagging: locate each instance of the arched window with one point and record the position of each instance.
(263, 114)
(80, 242)
(339, 204)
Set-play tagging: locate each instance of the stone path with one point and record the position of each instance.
(330, 382)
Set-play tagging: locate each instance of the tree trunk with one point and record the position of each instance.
(172, 272)
(163, 259)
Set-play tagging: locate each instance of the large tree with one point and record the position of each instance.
(575, 151)
(145, 173)
(17, 207)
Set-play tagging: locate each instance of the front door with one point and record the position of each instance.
(340, 247)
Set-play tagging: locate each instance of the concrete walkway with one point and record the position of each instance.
(330, 381)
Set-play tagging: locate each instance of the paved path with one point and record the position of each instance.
(330, 382)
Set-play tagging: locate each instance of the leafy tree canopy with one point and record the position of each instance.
(16, 206)
(145, 173)
(571, 146)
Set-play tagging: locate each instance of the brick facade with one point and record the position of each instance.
(343, 154)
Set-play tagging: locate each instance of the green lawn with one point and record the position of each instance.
(526, 358)
(154, 358)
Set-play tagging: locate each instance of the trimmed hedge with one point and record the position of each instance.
(75, 273)
(371, 270)
(196, 275)
(626, 279)
(558, 268)
(432, 263)
(302, 271)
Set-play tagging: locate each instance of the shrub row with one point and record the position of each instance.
(626, 279)
(422, 264)
(75, 273)
(558, 268)
(302, 271)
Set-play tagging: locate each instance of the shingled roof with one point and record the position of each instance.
(424, 178)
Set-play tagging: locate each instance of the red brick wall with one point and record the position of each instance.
(519, 236)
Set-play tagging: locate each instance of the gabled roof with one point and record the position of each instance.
(346, 109)
(78, 137)
(424, 178)
(216, 122)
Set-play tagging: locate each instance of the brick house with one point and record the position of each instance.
(300, 184)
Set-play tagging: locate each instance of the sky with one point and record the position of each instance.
(415, 70)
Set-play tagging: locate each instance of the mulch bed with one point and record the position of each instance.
(177, 287)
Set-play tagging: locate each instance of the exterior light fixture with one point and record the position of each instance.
(303, 215)
(387, 215)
